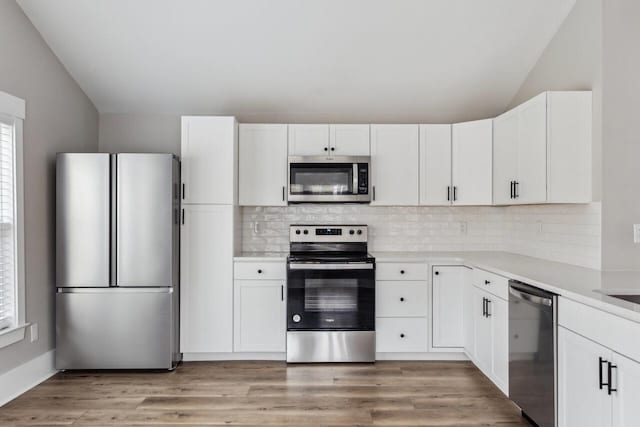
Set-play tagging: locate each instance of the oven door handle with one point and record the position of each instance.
(341, 266)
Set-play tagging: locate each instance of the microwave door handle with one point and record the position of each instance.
(355, 178)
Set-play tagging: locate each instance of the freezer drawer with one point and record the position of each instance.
(116, 329)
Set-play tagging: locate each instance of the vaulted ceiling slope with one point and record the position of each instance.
(300, 60)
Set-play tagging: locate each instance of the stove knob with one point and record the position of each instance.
(306, 231)
(296, 318)
(297, 231)
(359, 231)
(352, 232)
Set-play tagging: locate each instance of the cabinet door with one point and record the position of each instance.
(483, 333)
(262, 165)
(349, 140)
(471, 166)
(394, 165)
(498, 313)
(626, 379)
(505, 156)
(532, 151)
(259, 319)
(448, 288)
(469, 318)
(308, 140)
(581, 402)
(435, 164)
(209, 152)
(206, 300)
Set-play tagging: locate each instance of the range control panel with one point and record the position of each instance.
(328, 233)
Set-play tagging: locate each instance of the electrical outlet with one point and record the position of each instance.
(256, 227)
(33, 331)
(636, 233)
(463, 227)
(539, 223)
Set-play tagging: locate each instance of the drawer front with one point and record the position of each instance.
(492, 283)
(401, 335)
(260, 270)
(401, 299)
(401, 271)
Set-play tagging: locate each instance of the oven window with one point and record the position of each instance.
(309, 178)
(331, 295)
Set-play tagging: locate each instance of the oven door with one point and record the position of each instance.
(337, 297)
(326, 180)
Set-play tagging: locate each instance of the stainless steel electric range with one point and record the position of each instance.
(330, 295)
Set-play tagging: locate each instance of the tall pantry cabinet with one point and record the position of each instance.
(210, 219)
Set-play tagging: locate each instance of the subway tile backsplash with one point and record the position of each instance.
(565, 233)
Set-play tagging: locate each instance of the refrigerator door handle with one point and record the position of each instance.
(113, 224)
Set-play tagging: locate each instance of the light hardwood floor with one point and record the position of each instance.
(270, 393)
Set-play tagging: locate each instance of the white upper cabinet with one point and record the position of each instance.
(308, 140)
(505, 157)
(542, 150)
(349, 140)
(209, 154)
(435, 164)
(263, 165)
(394, 165)
(471, 165)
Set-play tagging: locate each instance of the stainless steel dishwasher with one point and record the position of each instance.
(532, 352)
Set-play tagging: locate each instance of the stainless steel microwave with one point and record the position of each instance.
(340, 179)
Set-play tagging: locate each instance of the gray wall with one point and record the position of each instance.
(621, 134)
(151, 133)
(59, 118)
(573, 61)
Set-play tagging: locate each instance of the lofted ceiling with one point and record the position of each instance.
(300, 60)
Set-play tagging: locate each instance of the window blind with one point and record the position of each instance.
(7, 226)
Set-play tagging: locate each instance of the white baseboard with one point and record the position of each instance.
(199, 357)
(26, 376)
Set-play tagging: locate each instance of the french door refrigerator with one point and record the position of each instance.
(117, 261)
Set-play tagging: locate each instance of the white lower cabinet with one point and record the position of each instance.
(448, 289)
(401, 335)
(596, 385)
(490, 340)
(259, 316)
(469, 318)
(206, 296)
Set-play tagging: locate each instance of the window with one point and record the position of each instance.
(12, 316)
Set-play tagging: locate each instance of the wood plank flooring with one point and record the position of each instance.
(270, 393)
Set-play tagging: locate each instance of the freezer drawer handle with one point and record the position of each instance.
(610, 367)
(600, 362)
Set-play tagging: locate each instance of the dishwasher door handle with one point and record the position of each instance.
(534, 299)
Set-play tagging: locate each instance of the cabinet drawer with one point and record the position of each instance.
(401, 335)
(401, 299)
(401, 271)
(260, 270)
(492, 283)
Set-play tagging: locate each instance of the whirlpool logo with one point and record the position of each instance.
(329, 320)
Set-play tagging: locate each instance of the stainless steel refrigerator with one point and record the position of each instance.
(117, 261)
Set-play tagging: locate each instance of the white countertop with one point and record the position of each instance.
(580, 284)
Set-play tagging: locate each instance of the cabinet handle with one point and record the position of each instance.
(333, 148)
(281, 292)
(401, 299)
(182, 216)
(183, 190)
(283, 193)
(401, 335)
(448, 193)
(437, 273)
(511, 190)
(455, 197)
(610, 367)
(487, 282)
(484, 307)
(600, 362)
(326, 149)
(488, 305)
(516, 194)
(401, 271)
(374, 193)
(259, 271)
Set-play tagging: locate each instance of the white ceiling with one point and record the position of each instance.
(300, 60)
